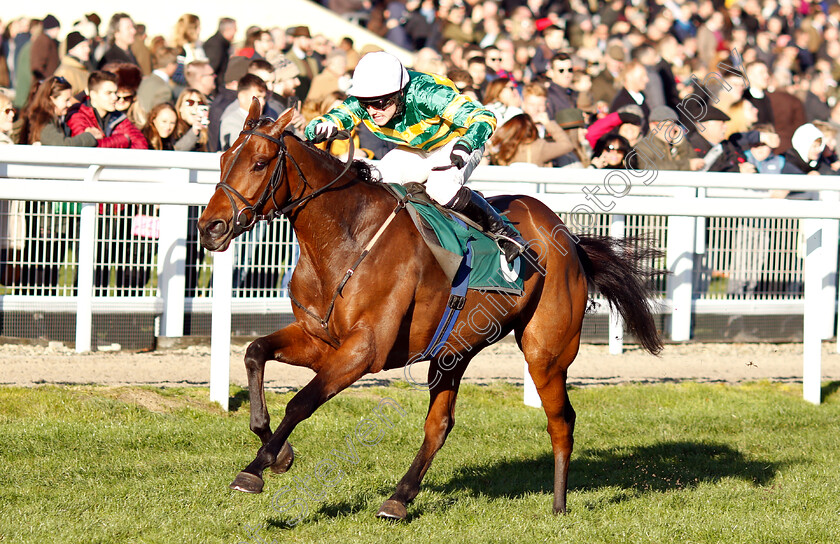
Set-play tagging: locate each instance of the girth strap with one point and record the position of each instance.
(457, 299)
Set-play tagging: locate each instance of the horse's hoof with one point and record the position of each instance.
(284, 459)
(247, 483)
(392, 510)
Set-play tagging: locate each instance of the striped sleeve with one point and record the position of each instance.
(345, 117)
(461, 111)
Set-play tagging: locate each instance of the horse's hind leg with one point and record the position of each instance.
(287, 344)
(439, 422)
(549, 373)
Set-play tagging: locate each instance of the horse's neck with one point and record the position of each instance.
(333, 227)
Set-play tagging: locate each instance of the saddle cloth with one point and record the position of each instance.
(447, 237)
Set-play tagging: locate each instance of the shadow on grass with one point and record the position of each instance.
(632, 471)
(237, 400)
(829, 389)
(658, 467)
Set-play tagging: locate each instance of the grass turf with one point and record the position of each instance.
(652, 463)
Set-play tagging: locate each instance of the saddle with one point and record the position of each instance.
(450, 236)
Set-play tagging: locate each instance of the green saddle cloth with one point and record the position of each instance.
(451, 236)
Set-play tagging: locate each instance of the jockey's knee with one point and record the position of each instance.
(443, 186)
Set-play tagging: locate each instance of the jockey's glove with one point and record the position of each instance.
(324, 131)
(460, 155)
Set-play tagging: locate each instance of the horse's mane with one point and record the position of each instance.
(360, 170)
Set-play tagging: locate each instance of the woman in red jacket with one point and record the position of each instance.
(99, 111)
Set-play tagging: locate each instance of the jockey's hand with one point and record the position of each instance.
(460, 156)
(324, 131)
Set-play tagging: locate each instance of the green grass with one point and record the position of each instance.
(652, 463)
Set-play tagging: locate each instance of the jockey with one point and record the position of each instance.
(440, 132)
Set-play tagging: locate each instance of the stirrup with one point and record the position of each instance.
(512, 247)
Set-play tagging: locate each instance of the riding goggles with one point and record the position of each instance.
(381, 103)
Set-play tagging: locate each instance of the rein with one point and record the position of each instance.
(278, 175)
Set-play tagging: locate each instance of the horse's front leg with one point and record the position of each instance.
(349, 363)
(290, 345)
(439, 422)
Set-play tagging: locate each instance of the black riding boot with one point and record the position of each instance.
(474, 206)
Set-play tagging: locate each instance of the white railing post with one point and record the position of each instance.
(87, 256)
(680, 263)
(220, 328)
(84, 295)
(172, 255)
(812, 342)
(616, 330)
(830, 239)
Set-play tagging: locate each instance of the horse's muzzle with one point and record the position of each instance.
(216, 235)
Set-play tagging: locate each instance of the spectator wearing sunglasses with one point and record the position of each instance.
(99, 110)
(609, 152)
(561, 95)
(441, 134)
(129, 77)
(193, 118)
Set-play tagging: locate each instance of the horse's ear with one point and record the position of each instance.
(255, 111)
(282, 122)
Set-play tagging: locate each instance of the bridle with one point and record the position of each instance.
(277, 177)
(246, 217)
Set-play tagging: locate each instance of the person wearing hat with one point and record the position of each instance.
(666, 146)
(301, 54)
(573, 123)
(156, 88)
(607, 83)
(72, 67)
(806, 153)
(719, 153)
(627, 122)
(441, 134)
(44, 58)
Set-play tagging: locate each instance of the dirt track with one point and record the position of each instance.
(31, 365)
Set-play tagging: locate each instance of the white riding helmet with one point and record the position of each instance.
(378, 74)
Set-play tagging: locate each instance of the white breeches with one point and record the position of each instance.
(405, 165)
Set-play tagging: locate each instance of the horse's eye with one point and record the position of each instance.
(260, 165)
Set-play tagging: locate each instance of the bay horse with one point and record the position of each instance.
(388, 304)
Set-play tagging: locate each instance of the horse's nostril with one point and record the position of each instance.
(217, 228)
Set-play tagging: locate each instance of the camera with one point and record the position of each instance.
(203, 114)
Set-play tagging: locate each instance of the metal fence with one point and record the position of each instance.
(100, 241)
(735, 259)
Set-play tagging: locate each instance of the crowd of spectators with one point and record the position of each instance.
(716, 85)
(744, 63)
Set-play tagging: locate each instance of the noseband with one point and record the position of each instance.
(246, 217)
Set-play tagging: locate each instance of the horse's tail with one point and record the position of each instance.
(621, 269)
